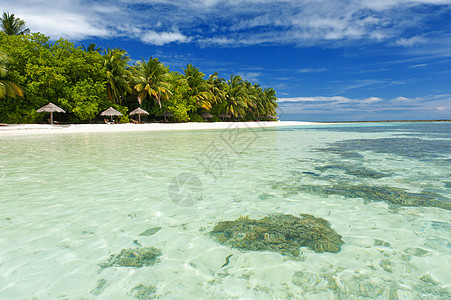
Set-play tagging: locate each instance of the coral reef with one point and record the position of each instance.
(388, 194)
(134, 257)
(280, 233)
(354, 171)
(417, 148)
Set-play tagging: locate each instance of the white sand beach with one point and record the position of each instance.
(32, 129)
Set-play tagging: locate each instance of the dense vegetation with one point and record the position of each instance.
(85, 81)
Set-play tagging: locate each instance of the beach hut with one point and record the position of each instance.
(51, 108)
(111, 112)
(166, 114)
(206, 115)
(139, 111)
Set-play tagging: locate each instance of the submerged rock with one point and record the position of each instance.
(280, 233)
(134, 257)
(102, 284)
(150, 231)
(144, 292)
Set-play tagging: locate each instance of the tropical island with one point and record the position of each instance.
(84, 81)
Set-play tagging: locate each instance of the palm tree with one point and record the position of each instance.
(217, 87)
(92, 48)
(199, 87)
(7, 88)
(151, 79)
(236, 96)
(12, 25)
(269, 102)
(117, 74)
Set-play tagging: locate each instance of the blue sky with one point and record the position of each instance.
(327, 59)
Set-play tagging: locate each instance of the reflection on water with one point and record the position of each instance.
(75, 202)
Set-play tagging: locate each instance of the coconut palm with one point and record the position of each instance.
(115, 62)
(12, 25)
(151, 79)
(92, 48)
(7, 88)
(236, 96)
(199, 87)
(269, 102)
(217, 87)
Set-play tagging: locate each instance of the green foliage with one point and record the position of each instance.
(83, 82)
(60, 73)
(197, 118)
(215, 119)
(85, 99)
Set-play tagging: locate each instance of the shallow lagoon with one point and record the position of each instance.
(70, 203)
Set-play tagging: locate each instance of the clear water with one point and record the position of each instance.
(68, 202)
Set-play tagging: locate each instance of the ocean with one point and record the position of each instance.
(339, 211)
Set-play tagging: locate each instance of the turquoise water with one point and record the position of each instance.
(69, 201)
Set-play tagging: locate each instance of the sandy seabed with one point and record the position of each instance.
(28, 129)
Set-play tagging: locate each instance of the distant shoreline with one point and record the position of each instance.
(388, 121)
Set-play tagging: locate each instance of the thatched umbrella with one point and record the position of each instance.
(111, 112)
(206, 115)
(166, 114)
(139, 111)
(224, 115)
(51, 108)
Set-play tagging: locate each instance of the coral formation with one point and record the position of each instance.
(388, 194)
(133, 257)
(280, 233)
(354, 171)
(417, 148)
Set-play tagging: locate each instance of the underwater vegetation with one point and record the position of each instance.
(133, 257)
(407, 147)
(363, 286)
(150, 231)
(391, 195)
(354, 171)
(280, 233)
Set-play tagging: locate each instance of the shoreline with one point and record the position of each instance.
(34, 129)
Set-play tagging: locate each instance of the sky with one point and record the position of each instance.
(328, 60)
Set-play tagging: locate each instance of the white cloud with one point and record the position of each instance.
(156, 38)
(409, 42)
(313, 70)
(251, 76)
(337, 105)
